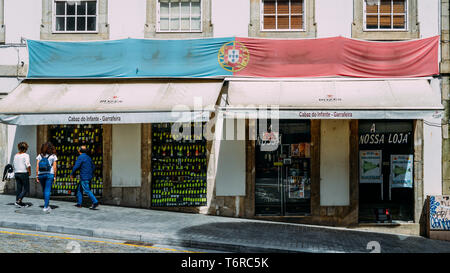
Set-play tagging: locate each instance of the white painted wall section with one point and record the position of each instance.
(429, 16)
(126, 19)
(335, 163)
(334, 18)
(23, 18)
(230, 18)
(126, 155)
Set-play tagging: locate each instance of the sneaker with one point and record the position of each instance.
(24, 205)
(78, 206)
(94, 206)
(19, 205)
(47, 210)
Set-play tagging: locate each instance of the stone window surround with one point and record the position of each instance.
(310, 29)
(359, 32)
(47, 30)
(151, 23)
(2, 22)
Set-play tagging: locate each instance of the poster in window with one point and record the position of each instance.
(402, 171)
(370, 166)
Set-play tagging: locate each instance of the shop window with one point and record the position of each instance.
(75, 16)
(67, 139)
(178, 165)
(282, 15)
(179, 16)
(385, 19)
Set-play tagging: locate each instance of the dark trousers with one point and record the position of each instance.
(22, 185)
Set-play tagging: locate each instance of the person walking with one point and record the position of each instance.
(46, 171)
(86, 166)
(22, 173)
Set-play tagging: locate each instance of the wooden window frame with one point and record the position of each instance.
(392, 14)
(262, 14)
(54, 16)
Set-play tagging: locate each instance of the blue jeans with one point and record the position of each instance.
(84, 187)
(46, 181)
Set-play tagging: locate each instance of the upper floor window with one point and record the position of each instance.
(385, 15)
(75, 16)
(282, 15)
(179, 16)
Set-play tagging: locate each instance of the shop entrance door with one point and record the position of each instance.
(283, 184)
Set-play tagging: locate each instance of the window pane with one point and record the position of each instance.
(195, 24)
(185, 9)
(269, 7)
(297, 6)
(385, 21)
(92, 8)
(60, 8)
(185, 24)
(81, 8)
(70, 8)
(81, 23)
(174, 23)
(195, 9)
(399, 6)
(399, 21)
(296, 22)
(372, 21)
(175, 9)
(269, 22)
(164, 9)
(283, 22)
(60, 23)
(164, 24)
(385, 6)
(372, 6)
(70, 24)
(282, 7)
(92, 23)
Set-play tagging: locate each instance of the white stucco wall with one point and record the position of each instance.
(230, 18)
(335, 163)
(126, 155)
(429, 17)
(334, 18)
(22, 19)
(126, 20)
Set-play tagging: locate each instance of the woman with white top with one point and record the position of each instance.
(22, 172)
(46, 171)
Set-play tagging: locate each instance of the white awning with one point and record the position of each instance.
(101, 102)
(332, 98)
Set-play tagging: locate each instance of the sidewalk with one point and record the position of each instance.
(202, 231)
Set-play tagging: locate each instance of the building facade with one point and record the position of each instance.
(240, 176)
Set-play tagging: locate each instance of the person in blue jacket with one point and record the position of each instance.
(86, 166)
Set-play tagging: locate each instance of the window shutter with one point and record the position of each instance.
(283, 7)
(385, 21)
(399, 6)
(269, 22)
(296, 22)
(399, 21)
(269, 7)
(385, 6)
(297, 7)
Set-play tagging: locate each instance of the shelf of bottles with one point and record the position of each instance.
(67, 139)
(178, 165)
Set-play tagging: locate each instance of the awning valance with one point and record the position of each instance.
(341, 98)
(78, 102)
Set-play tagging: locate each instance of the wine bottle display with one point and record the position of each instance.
(67, 139)
(178, 166)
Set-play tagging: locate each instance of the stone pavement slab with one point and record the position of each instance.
(204, 231)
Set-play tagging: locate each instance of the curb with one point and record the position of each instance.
(151, 238)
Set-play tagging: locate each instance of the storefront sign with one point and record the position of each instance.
(269, 141)
(370, 167)
(402, 171)
(384, 138)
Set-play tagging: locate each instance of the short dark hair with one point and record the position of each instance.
(48, 148)
(22, 146)
(83, 149)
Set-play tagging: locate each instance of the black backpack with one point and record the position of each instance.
(9, 169)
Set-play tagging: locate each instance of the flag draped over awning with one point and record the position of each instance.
(234, 56)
